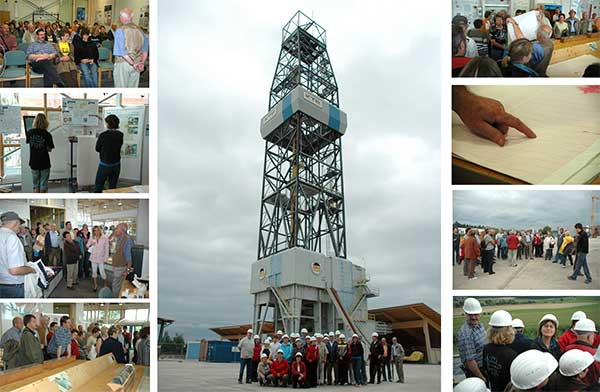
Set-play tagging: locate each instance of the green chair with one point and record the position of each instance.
(108, 44)
(16, 69)
(104, 63)
(23, 46)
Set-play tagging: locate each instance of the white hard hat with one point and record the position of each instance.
(318, 335)
(342, 336)
(518, 323)
(263, 355)
(256, 337)
(354, 335)
(313, 339)
(472, 306)
(304, 330)
(326, 338)
(279, 351)
(285, 336)
(249, 331)
(549, 317)
(585, 325)
(501, 318)
(298, 354)
(578, 315)
(331, 334)
(267, 341)
(531, 368)
(374, 334)
(280, 332)
(471, 384)
(337, 332)
(574, 362)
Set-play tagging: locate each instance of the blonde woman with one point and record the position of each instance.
(98, 245)
(103, 336)
(39, 245)
(40, 144)
(497, 354)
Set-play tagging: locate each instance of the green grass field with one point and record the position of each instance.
(531, 317)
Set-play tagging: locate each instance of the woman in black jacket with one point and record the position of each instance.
(357, 351)
(546, 340)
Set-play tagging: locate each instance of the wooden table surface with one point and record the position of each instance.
(31, 374)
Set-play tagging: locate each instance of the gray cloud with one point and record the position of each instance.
(215, 72)
(523, 209)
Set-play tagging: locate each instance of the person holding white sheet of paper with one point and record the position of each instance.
(486, 117)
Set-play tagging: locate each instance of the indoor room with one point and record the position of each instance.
(85, 37)
(108, 351)
(105, 236)
(525, 38)
(79, 140)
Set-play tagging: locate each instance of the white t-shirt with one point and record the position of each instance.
(12, 255)
(471, 48)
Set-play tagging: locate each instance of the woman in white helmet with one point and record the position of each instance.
(546, 340)
(497, 354)
(573, 367)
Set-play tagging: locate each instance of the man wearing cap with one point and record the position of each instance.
(582, 249)
(357, 352)
(586, 330)
(286, 348)
(462, 22)
(375, 356)
(312, 362)
(130, 51)
(471, 339)
(275, 345)
(574, 366)
(299, 373)
(264, 370)
(329, 366)
(323, 354)
(12, 257)
(279, 370)
(398, 358)
(569, 336)
(532, 370)
(343, 359)
(246, 347)
(521, 343)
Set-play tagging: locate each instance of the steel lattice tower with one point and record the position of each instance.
(302, 202)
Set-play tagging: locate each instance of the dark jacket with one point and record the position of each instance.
(343, 352)
(554, 347)
(72, 252)
(112, 345)
(86, 50)
(109, 145)
(582, 242)
(357, 350)
(375, 351)
(29, 349)
(521, 343)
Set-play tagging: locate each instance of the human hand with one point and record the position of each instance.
(486, 117)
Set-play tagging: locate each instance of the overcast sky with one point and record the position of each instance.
(217, 61)
(523, 209)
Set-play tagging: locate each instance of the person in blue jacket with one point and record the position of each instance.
(286, 347)
(521, 343)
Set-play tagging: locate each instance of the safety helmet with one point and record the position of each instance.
(585, 325)
(518, 323)
(501, 318)
(331, 334)
(285, 337)
(375, 334)
(354, 335)
(313, 339)
(304, 330)
(250, 331)
(342, 336)
(279, 351)
(574, 362)
(298, 354)
(472, 306)
(337, 332)
(530, 368)
(263, 355)
(471, 384)
(578, 315)
(548, 317)
(280, 332)
(256, 337)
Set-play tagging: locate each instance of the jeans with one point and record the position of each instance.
(548, 254)
(245, 363)
(90, 74)
(357, 366)
(110, 173)
(456, 254)
(40, 179)
(17, 291)
(582, 262)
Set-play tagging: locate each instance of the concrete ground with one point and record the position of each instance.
(532, 274)
(206, 376)
(85, 288)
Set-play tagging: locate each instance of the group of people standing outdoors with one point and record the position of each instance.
(34, 339)
(108, 146)
(80, 253)
(503, 358)
(485, 246)
(305, 361)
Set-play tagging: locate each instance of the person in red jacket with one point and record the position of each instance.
(512, 241)
(299, 377)
(74, 345)
(279, 370)
(586, 330)
(312, 362)
(256, 357)
(569, 336)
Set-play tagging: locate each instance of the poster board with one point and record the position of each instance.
(133, 125)
(10, 119)
(79, 112)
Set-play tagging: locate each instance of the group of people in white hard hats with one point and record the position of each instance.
(504, 359)
(306, 361)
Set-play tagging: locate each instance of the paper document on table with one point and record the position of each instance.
(566, 120)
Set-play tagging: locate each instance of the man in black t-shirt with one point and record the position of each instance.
(109, 145)
(40, 144)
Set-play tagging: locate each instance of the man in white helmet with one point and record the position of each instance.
(574, 366)
(303, 334)
(323, 355)
(264, 370)
(569, 336)
(329, 365)
(246, 347)
(275, 344)
(586, 330)
(375, 358)
(521, 343)
(533, 370)
(471, 339)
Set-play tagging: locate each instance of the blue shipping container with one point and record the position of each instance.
(193, 351)
(222, 352)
